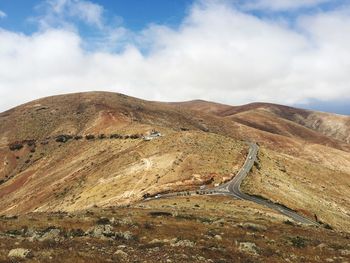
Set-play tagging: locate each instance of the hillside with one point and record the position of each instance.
(281, 119)
(76, 171)
(113, 167)
(76, 151)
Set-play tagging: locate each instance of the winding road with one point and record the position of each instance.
(233, 188)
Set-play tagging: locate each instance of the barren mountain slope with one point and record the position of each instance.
(318, 187)
(54, 165)
(74, 151)
(84, 113)
(333, 126)
(317, 177)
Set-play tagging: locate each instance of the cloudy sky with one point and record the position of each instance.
(293, 52)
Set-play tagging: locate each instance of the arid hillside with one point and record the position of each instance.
(305, 162)
(281, 119)
(77, 151)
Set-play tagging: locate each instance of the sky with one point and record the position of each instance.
(291, 52)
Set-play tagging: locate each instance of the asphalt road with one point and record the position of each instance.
(233, 188)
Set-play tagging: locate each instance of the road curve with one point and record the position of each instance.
(233, 188)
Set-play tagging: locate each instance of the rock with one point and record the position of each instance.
(155, 241)
(183, 243)
(51, 235)
(126, 221)
(248, 247)
(32, 235)
(121, 254)
(122, 246)
(20, 253)
(218, 237)
(101, 231)
(173, 241)
(321, 246)
(124, 235)
(345, 252)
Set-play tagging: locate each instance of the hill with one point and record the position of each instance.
(76, 151)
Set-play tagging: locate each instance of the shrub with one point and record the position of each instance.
(115, 136)
(135, 136)
(63, 138)
(31, 143)
(102, 136)
(77, 232)
(78, 137)
(90, 137)
(15, 146)
(147, 225)
(288, 222)
(160, 213)
(327, 226)
(103, 221)
(298, 242)
(146, 195)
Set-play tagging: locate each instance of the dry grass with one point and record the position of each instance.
(200, 229)
(311, 187)
(79, 174)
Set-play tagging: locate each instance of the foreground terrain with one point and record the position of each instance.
(181, 229)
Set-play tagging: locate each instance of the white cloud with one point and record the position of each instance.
(62, 12)
(218, 53)
(2, 14)
(281, 5)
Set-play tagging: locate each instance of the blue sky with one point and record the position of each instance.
(292, 52)
(134, 14)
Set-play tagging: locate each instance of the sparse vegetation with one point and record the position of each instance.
(90, 137)
(63, 138)
(211, 234)
(298, 242)
(16, 146)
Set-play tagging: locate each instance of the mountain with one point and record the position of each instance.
(75, 151)
(78, 151)
(279, 119)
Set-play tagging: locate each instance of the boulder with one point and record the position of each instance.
(218, 237)
(124, 235)
(121, 253)
(248, 247)
(21, 253)
(51, 235)
(101, 231)
(183, 243)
